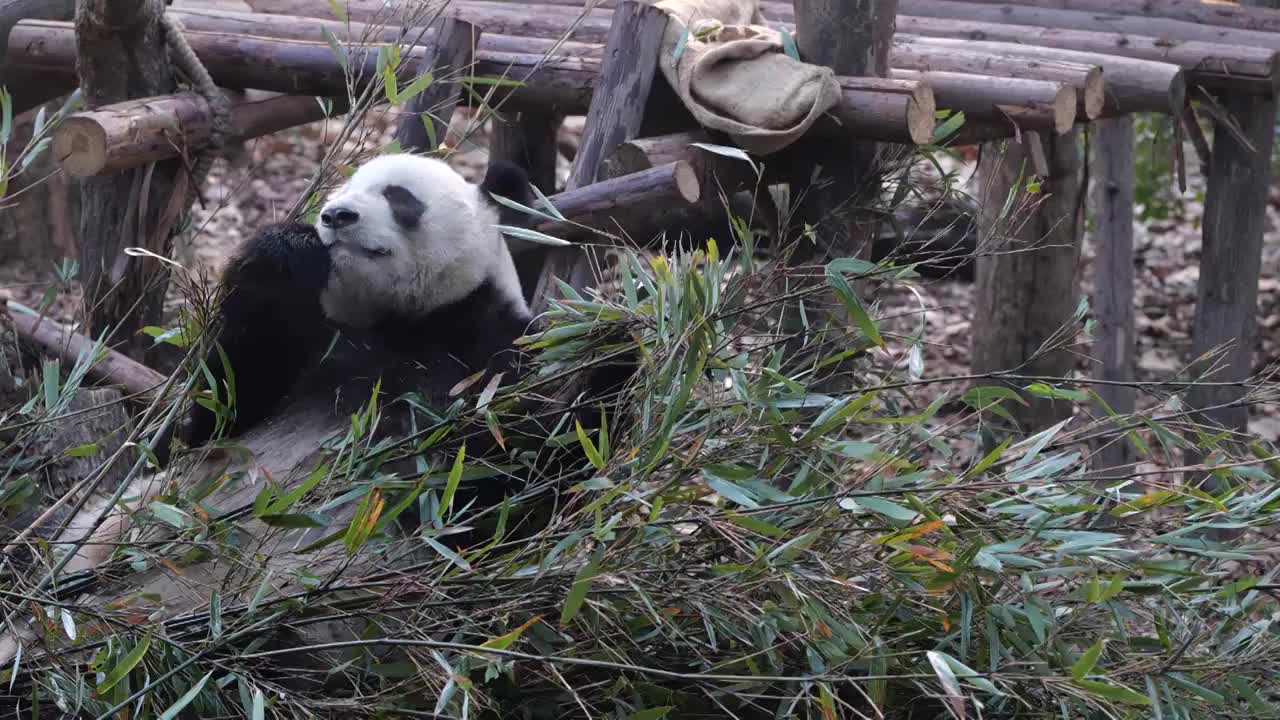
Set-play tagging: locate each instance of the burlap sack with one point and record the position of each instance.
(733, 74)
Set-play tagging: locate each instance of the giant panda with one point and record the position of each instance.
(404, 276)
(403, 282)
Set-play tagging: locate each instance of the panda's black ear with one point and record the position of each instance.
(510, 181)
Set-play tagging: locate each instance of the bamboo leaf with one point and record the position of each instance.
(451, 486)
(125, 666)
(172, 711)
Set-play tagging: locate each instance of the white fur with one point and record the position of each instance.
(377, 265)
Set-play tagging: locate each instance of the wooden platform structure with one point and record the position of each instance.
(1014, 68)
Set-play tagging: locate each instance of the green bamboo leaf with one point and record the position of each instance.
(422, 82)
(851, 302)
(1087, 661)
(451, 486)
(589, 447)
(125, 666)
(1118, 693)
(578, 592)
(339, 52)
(172, 711)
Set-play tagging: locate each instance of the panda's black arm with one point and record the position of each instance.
(269, 324)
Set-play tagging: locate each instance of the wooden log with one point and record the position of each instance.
(892, 110)
(309, 68)
(562, 85)
(1113, 279)
(313, 29)
(422, 127)
(1087, 79)
(12, 11)
(1029, 103)
(113, 369)
(1025, 289)
(647, 152)
(1132, 85)
(634, 204)
(1219, 14)
(548, 21)
(1213, 65)
(617, 111)
(1114, 20)
(135, 132)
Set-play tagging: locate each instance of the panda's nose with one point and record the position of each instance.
(339, 217)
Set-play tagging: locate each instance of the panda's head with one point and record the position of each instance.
(408, 235)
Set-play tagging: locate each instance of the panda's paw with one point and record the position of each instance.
(292, 252)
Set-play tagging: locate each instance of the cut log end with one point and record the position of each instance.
(687, 183)
(922, 115)
(80, 146)
(1064, 109)
(1094, 93)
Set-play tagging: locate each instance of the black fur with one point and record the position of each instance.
(270, 324)
(406, 208)
(507, 180)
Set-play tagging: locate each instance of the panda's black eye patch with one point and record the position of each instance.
(406, 208)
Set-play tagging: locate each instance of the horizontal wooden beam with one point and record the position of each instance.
(901, 112)
(132, 133)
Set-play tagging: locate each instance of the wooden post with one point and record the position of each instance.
(852, 37)
(1027, 292)
(123, 55)
(615, 116)
(527, 138)
(1113, 280)
(1235, 210)
(455, 43)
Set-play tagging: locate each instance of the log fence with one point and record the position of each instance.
(1022, 66)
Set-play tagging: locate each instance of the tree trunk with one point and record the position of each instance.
(37, 224)
(122, 55)
(1026, 292)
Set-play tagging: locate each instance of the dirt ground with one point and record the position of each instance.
(267, 178)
